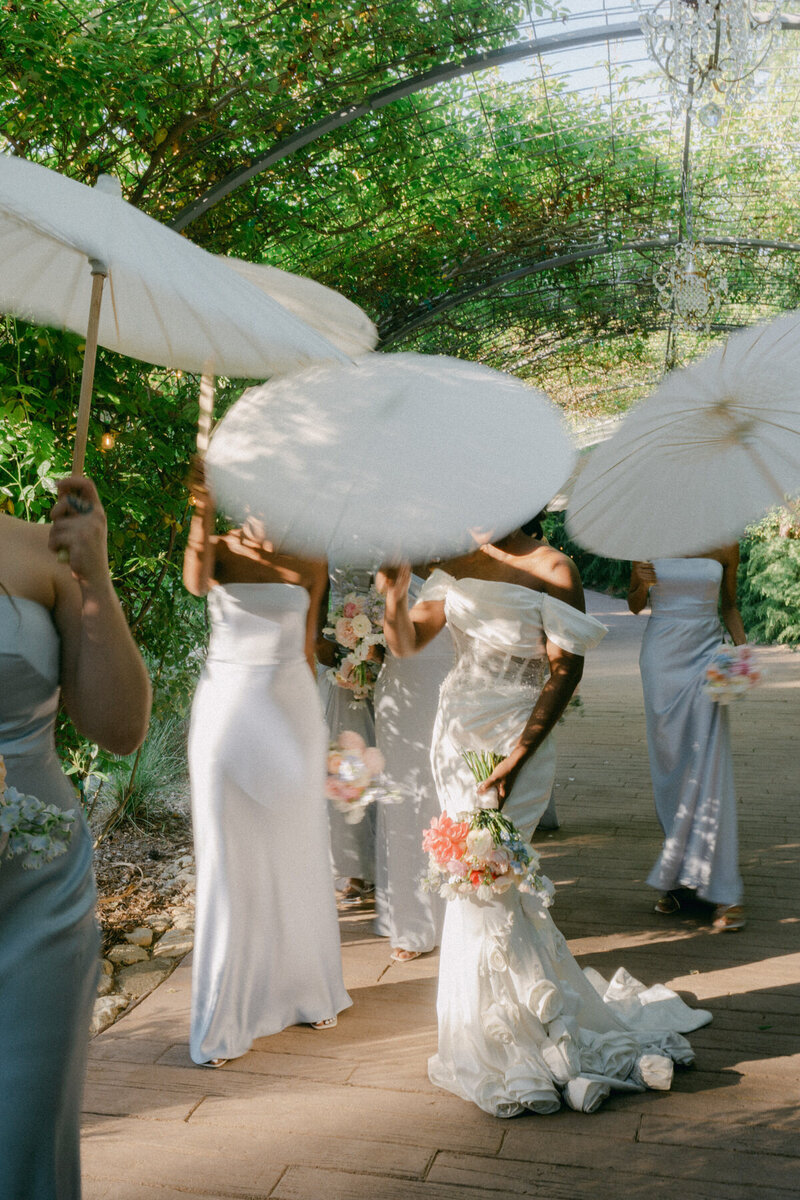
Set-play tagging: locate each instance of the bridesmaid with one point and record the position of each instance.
(63, 639)
(406, 699)
(267, 951)
(352, 846)
(688, 735)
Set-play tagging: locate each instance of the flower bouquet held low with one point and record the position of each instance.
(731, 672)
(356, 626)
(40, 832)
(481, 854)
(352, 767)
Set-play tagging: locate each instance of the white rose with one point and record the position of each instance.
(480, 843)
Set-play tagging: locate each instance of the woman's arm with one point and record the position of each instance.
(565, 674)
(731, 617)
(643, 576)
(104, 682)
(318, 592)
(563, 582)
(199, 561)
(407, 632)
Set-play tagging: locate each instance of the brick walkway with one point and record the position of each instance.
(348, 1114)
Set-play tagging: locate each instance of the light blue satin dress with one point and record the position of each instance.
(49, 941)
(688, 735)
(266, 952)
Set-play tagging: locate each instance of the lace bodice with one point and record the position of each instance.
(500, 633)
(478, 664)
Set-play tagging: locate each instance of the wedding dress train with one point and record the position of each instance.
(521, 1026)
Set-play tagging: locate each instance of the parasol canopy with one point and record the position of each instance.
(171, 303)
(329, 312)
(395, 456)
(714, 447)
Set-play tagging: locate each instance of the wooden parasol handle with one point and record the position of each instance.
(87, 378)
(206, 413)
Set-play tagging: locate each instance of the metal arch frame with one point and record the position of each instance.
(565, 260)
(406, 87)
(572, 40)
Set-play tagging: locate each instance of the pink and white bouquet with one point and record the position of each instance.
(352, 767)
(731, 672)
(481, 855)
(31, 828)
(356, 625)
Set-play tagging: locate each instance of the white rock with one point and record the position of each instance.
(160, 923)
(123, 953)
(141, 936)
(140, 978)
(105, 984)
(106, 1010)
(174, 944)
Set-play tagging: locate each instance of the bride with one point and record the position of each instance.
(520, 1025)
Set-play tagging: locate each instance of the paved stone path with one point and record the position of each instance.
(348, 1114)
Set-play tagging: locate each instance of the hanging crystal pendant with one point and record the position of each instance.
(689, 288)
(708, 48)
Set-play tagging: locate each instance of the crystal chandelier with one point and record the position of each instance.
(708, 49)
(689, 287)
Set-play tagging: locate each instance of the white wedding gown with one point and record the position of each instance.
(267, 952)
(521, 1026)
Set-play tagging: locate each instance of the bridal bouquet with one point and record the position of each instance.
(731, 672)
(352, 766)
(481, 854)
(38, 831)
(356, 625)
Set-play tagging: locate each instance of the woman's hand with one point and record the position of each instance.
(79, 527)
(643, 577)
(394, 581)
(503, 776)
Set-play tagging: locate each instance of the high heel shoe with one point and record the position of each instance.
(728, 918)
(667, 904)
(327, 1023)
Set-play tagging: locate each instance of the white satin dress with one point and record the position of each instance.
(521, 1026)
(406, 701)
(267, 952)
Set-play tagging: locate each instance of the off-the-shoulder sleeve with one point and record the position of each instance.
(573, 631)
(436, 586)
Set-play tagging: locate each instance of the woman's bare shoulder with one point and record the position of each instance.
(557, 574)
(27, 565)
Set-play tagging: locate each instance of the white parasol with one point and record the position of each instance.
(171, 303)
(395, 456)
(714, 447)
(334, 316)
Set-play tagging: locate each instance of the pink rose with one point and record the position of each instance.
(350, 740)
(345, 634)
(350, 610)
(334, 763)
(373, 761)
